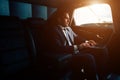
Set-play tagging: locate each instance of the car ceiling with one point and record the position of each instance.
(58, 3)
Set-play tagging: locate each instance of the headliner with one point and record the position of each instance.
(64, 3)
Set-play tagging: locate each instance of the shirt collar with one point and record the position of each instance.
(63, 27)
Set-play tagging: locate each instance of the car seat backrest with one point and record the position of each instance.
(14, 51)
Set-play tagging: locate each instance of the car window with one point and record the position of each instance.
(97, 13)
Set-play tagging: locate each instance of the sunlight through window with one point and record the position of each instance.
(97, 13)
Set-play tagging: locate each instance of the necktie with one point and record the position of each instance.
(68, 36)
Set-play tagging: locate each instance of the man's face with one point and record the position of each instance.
(65, 20)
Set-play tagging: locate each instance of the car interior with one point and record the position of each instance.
(23, 25)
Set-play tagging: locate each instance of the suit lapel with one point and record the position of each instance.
(61, 35)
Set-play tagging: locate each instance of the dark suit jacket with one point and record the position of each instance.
(56, 41)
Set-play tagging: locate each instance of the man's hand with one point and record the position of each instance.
(87, 44)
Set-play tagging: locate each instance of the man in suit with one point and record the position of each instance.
(64, 43)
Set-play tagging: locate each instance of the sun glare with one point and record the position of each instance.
(97, 13)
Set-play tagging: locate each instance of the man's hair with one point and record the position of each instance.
(53, 20)
(61, 13)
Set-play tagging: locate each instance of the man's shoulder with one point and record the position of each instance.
(57, 27)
